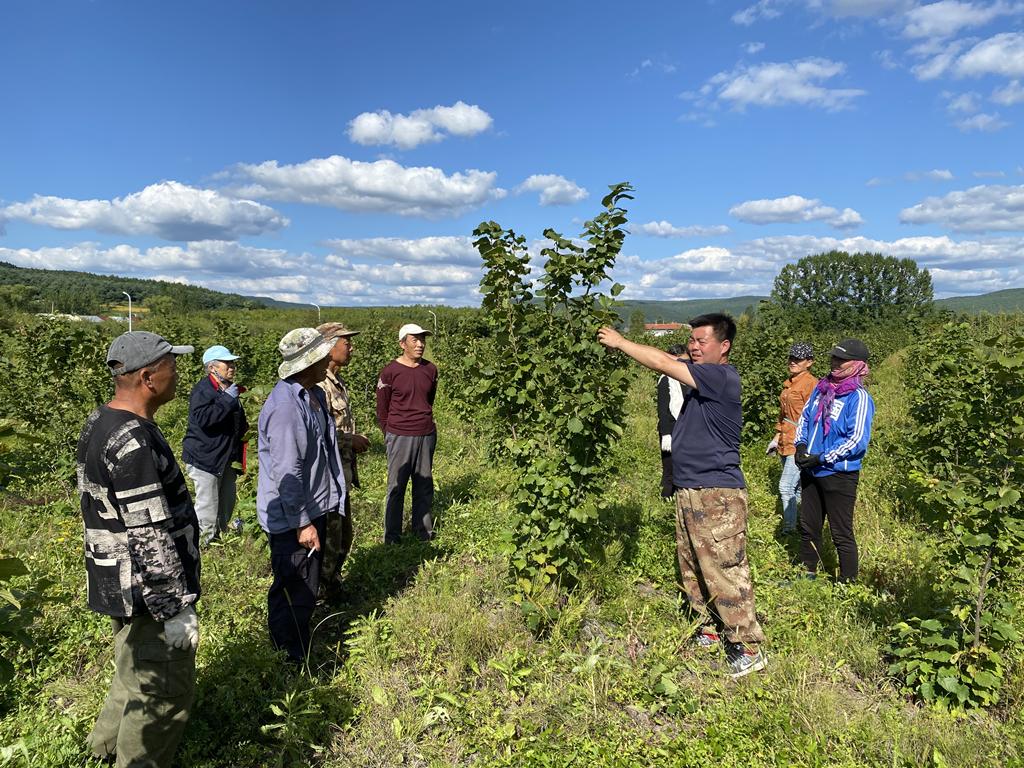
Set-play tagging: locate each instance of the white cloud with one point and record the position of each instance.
(861, 8)
(667, 229)
(1010, 94)
(982, 122)
(794, 208)
(1001, 54)
(417, 275)
(418, 127)
(663, 66)
(983, 208)
(763, 9)
(753, 48)
(938, 57)
(936, 174)
(208, 256)
(847, 219)
(278, 274)
(425, 250)
(554, 189)
(988, 174)
(169, 210)
(383, 185)
(957, 267)
(778, 84)
(948, 17)
(966, 103)
(886, 59)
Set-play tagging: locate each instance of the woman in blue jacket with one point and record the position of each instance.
(215, 441)
(831, 440)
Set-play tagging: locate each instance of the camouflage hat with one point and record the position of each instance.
(300, 349)
(335, 331)
(801, 350)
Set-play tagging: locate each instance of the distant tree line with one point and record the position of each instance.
(40, 290)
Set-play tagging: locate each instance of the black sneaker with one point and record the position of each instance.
(742, 661)
(706, 639)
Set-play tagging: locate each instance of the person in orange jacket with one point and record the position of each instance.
(795, 392)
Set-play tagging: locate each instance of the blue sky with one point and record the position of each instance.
(342, 153)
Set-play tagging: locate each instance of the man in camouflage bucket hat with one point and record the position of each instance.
(339, 538)
(711, 496)
(300, 484)
(141, 556)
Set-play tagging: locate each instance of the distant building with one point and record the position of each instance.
(75, 318)
(663, 329)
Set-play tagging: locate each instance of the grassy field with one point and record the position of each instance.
(431, 662)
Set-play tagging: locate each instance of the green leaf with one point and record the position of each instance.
(12, 566)
(950, 684)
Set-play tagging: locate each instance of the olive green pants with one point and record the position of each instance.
(150, 697)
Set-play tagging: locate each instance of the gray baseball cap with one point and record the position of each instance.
(137, 349)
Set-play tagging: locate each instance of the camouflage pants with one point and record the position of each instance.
(337, 545)
(711, 543)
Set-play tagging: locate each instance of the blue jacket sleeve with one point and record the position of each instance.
(854, 428)
(208, 406)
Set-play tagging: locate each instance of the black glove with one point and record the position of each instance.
(806, 460)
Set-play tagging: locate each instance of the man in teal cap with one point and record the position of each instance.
(215, 444)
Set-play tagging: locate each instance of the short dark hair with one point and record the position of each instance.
(676, 349)
(723, 326)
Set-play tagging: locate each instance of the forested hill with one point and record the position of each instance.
(34, 290)
(1010, 300)
(682, 311)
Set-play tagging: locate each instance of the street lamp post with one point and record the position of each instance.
(429, 312)
(129, 310)
(317, 313)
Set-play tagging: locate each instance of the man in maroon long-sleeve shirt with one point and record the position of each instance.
(405, 414)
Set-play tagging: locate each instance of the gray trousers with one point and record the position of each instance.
(409, 456)
(215, 500)
(150, 697)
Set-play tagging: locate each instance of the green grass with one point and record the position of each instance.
(432, 664)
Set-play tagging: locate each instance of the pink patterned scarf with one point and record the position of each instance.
(838, 383)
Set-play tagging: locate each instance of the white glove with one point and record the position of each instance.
(182, 630)
(773, 446)
(231, 391)
(666, 442)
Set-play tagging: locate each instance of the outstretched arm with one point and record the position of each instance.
(651, 357)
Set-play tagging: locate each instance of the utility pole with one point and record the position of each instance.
(129, 310)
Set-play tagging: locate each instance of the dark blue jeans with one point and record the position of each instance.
(292, 595)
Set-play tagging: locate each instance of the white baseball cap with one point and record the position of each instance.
(411, 329)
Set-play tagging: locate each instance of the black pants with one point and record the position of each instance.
(832, 497)
(667, 488)
(292, 595)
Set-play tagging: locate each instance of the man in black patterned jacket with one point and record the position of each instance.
(141, 556)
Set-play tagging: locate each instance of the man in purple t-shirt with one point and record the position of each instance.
(405, 414)
(711, 496)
